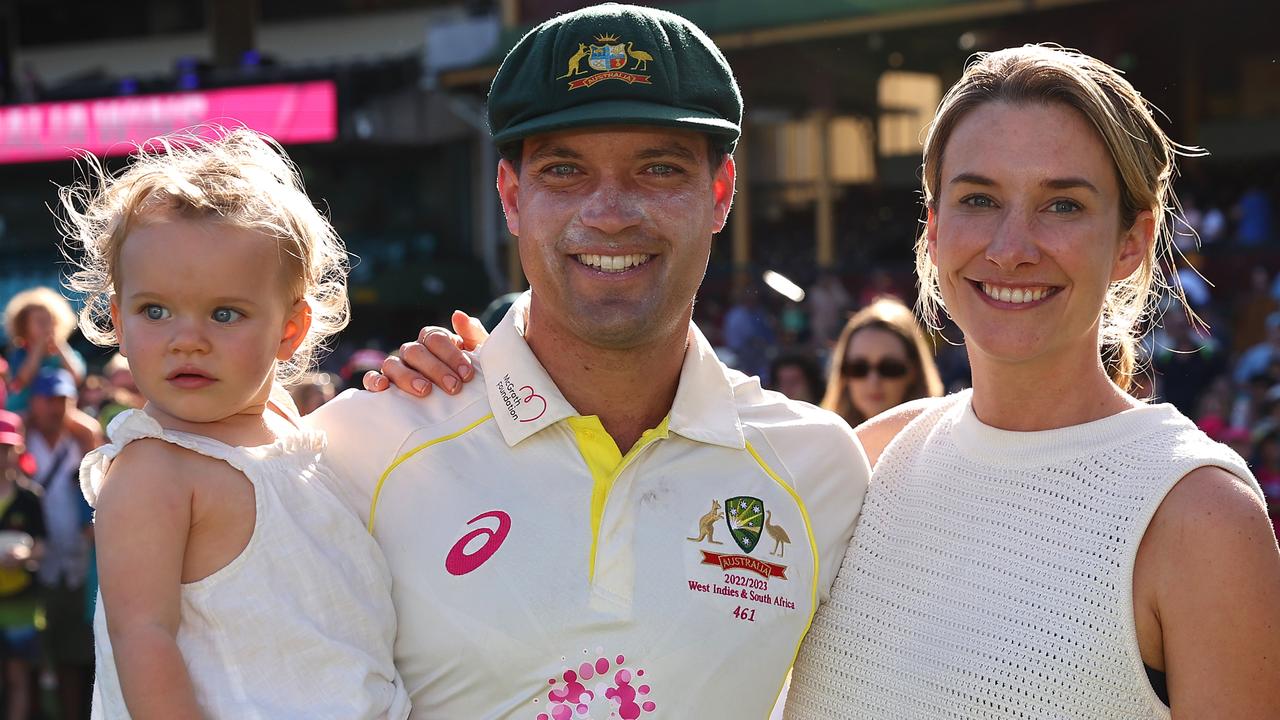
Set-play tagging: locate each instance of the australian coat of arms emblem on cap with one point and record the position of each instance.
(611, 59)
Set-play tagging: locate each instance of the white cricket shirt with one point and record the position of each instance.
(540, 574)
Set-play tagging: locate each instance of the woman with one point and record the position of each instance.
(1045, 545)
(1026, 548)
(880, 361)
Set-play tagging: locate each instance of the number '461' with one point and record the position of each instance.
(748, 614)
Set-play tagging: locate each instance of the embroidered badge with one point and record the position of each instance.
(707, 525)
(744, 515)
(609, 60)
(780, 538)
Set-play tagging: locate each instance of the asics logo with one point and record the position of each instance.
(462, 558)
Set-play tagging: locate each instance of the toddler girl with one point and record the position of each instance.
(234, 584)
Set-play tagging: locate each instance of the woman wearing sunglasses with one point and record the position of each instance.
(880, 361)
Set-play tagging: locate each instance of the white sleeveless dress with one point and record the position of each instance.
(300, 624)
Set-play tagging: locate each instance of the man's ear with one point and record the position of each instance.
(119, 328)
(723, 187)
(296, 325)
(509, 193)
(1135, 246)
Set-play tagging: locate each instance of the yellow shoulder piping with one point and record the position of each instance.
(377, 490)
(813, 546)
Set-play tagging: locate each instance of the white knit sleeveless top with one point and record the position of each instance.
(991, 573)
(300, 624)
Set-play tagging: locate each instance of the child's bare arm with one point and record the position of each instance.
(142, 523)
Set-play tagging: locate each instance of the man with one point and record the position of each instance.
(57, 444)
(607, 520)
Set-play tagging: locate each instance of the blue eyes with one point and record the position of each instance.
(220, 315)
(226, 315)
(985, 202)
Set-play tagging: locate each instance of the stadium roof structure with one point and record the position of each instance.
(738, 25)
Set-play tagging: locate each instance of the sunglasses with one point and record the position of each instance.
(887, 368)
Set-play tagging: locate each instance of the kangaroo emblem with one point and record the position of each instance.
(707, 525)
(575, 62)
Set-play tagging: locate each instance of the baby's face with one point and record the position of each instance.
(203, 317)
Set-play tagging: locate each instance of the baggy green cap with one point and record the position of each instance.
(615, 64)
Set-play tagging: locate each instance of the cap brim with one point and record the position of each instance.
(9, 438)
(622, 112)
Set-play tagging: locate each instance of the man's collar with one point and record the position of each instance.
(525, 400)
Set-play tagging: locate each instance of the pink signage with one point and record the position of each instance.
(291, 113)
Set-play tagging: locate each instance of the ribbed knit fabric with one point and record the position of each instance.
(991, 573)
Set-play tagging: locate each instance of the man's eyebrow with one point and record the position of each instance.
(670, 150)
(554, 151)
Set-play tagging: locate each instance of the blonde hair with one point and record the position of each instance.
(15, 312)
(1144, 161)
(891, 315)
(241, 178)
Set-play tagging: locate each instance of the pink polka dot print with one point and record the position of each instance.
(570, 698)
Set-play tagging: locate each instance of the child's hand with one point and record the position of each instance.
(437, 357)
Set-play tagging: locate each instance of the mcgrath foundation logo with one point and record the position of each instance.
(610, 59)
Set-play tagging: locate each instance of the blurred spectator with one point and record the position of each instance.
(1257, 359)
(21, 545)
(880, 361)
(829, 304)
(1253, 218)
(38, 321)
(312, 391)
(94, 393)
(4, 381)
(797, 376)
(747, 333)
(1187, 226)
(1186, 360)
(1193, 283)
(360, 362)
(1266, 467)
(1213, 226)
(1250, 311)
(124, 393)
(64, 568)
(1213, 412)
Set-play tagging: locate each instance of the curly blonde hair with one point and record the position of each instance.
(15, 312)
(1144, 161)
(239, 177)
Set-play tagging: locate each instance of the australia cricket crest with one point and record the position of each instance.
(745, 517)
(608, 57)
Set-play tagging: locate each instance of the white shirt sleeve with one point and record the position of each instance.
(364, 433)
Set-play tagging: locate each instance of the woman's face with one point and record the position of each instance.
(877, 371)
(1026, 232)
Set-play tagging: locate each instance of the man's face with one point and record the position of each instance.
(48, 412)
(615, 229)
